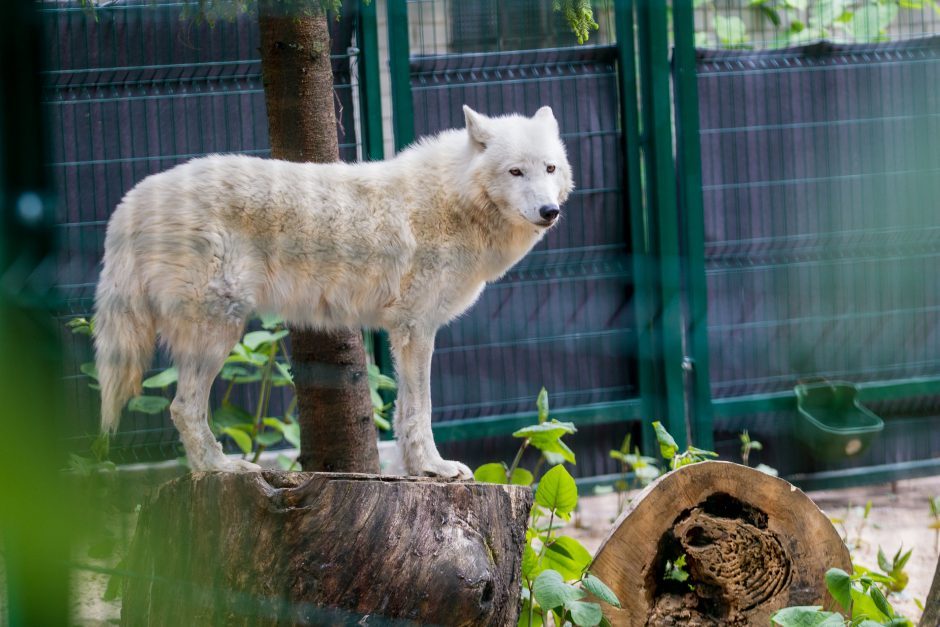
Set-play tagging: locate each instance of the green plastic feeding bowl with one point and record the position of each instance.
(832, 421)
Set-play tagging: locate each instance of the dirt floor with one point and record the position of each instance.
(899, 517)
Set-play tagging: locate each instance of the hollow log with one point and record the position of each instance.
(319, 548)
(753, 544)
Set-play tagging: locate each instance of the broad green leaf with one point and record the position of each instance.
(551, 591)
(269, 438)
(901, 562)
(863, 606)
(806, 616)
(546, 431)
(240, 372)
(839, 584)
(256, 339)
(162, 379)
(555, 452)
(557, 490)
(292, 433)
(148, 404)
(229, 415)
(567, 556)
(600, 590)
(381, 422)
(881, 602)
(521, 476)
(285, 371)
(89, 369)
(530, 563)
(491, 473)
(585, 614)
(81, 326)
(667, 445)
(242, 439)
(883, 562)
(542, 404)
(270, 321)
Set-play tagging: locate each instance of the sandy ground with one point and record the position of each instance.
(899, 516)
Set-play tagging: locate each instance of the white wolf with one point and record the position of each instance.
(404, 245)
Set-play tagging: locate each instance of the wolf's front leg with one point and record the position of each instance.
(412, 350)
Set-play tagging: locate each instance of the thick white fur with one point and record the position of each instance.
(404, 245)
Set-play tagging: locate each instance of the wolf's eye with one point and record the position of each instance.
(516, 172)
(550, 169)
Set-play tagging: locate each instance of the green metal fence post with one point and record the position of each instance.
(398, 59)
(660, 187)
(370, 96)
(689, 158)
(645, 297)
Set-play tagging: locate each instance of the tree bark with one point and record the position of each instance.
(312, 548)
(931, 617)
(335, 410)
(754, 544)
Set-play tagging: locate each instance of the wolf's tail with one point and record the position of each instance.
(125, 329)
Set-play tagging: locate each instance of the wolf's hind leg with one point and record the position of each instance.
(412, 351)
(199, 355)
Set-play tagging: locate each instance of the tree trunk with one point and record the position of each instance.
(336, 428)
(753, 543)
(931, 617)
(312, 548)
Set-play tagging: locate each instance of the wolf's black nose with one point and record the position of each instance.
(549, 212)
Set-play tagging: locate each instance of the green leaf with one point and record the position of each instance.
(864, 606)
(900, 563)
(839, 584)
(491, 473)
(269, 438)
(556, 452)
(806, 616)
(551, 591)
(881, 602)
(162, 379)
(521, 476)
(89, 369)
(524, 614)
(585, 614)
(256, 339)
(767, 470)
(229, 415)
(546, 431)
(542, 404)
(883, 562)
(567, 556)
(81, 326)
(285, 371)
(239, 373)
(599, 589)
(870, 21)
(557, 490)
(667, 445)
(242, 439)
(270, 321)
(148, 404)
(381, 422)
(530, 563)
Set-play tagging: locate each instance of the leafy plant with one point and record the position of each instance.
(636, 470)
(556, 578)
(860, 597)
(670, 450)
(853, 536)
(260, 358)
(676, 570)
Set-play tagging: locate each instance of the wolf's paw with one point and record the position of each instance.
(445, 469)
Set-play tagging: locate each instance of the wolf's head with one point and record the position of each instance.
(520, 165)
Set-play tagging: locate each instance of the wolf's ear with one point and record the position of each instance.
(545, 114)
(476, 128)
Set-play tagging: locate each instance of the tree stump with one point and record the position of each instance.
(753, 544)
(931, 617)
(318, 548)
